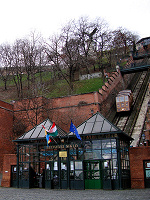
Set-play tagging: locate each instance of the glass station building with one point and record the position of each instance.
(99, 161)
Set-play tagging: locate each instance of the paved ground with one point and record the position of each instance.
(42, 194)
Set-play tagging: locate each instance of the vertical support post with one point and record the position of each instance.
(17, 166)
(68, 169)
(59, 169)
(119, 163)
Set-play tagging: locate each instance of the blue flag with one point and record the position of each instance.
(74, 130)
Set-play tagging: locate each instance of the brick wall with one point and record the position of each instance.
(76, 107)
(6, 130)
(137, 156)
(147, 124)
(80, 107)
(9, 160)
(30, 111)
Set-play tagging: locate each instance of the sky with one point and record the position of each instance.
(18, 18)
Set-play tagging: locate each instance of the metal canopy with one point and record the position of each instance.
(38, 132)
(96, 125)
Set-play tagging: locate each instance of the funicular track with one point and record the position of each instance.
(126, 120)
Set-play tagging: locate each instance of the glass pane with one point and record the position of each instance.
(48, 166)
(71, 165)
(117, 99)
(106, 144)
(96, 175)
(106, 153)
(98, 127)
(122, 99)
(88, 145)
(96, 144)
(97, 154)
(106, 127)
(88, 155)
(78, 165)
(95, 166)
(147, 174)
(55, 166)
(88, 128)
(113, 142)
(78, 175)
(126, 98)
(64, 175)
(114, 153)
(114, 163)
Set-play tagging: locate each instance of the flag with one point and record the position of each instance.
(50, 133)
(48, 139)
(53, 130)
(74, 130)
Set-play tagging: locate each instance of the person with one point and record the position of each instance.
(43, 178)
(33, 181)
(55, 180)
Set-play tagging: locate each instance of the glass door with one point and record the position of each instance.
(147, 173)
(93, 174)
(106, 174)
(24, 173)
(64, 173)
(76, 175)
(51, 175)
(14, 176)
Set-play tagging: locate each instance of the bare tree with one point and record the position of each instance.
(122, 41)
(101, 43)
(6, 63)
(32, 111)
(28, 58)
(60, 57)
(70, 52)
(84, 33)
(17, 68)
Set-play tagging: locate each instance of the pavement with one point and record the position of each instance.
(43, 194)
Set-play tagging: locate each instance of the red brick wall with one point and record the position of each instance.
(30, 111)
(6, 130)
(137, 156)
(9, 159)
(147, 123)
(77, 107)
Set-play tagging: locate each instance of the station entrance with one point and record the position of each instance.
(51, 168)
(99, 161)
(65, 170)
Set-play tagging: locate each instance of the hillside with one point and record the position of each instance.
(50, 89)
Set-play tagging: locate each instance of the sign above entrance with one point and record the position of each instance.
(63, 154)
(63, 146)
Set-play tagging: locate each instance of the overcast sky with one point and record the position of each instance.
(19, 17)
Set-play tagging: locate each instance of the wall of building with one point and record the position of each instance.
(137, 156)
(60, 110)
(80, 107)
(76, 107)
(9, 160)
(147, 125)
(6, 130)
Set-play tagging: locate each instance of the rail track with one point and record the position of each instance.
(126, 120)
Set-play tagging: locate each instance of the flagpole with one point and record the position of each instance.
(53, 139)
(50, 135)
